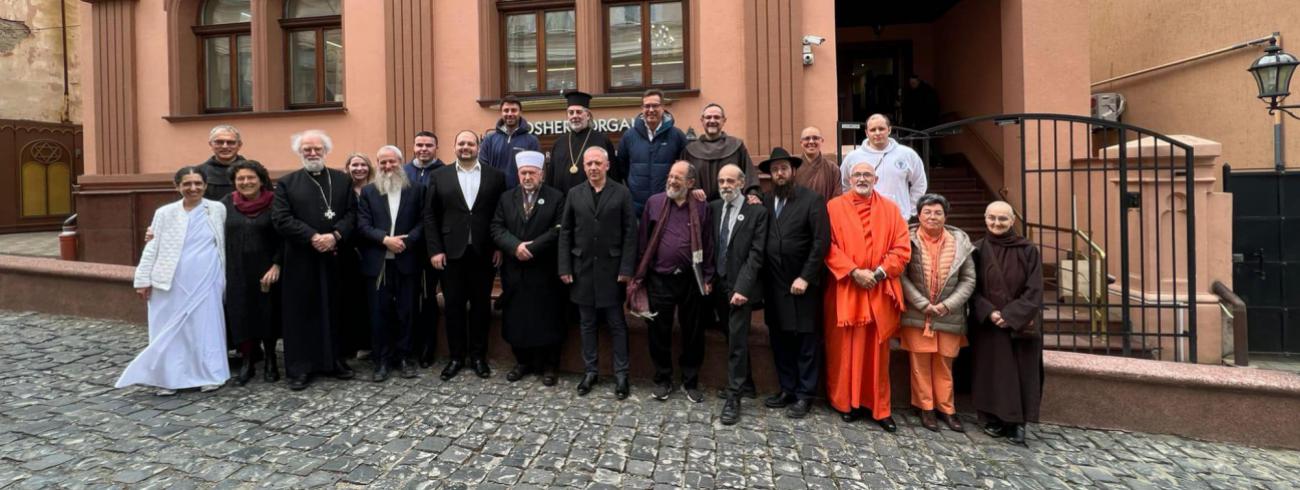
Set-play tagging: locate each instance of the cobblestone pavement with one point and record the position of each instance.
(38, 244)
(61, 424)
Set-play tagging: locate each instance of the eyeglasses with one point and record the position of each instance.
(224, 142)
(312, 149)
(861, 175)
(651, 106)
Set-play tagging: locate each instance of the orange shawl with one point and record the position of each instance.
(866, 233)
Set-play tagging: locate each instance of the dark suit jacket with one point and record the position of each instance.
(373, 225)
(797, 241)
(449, 225)
(745, 250)
(510, 227)
(598, 243)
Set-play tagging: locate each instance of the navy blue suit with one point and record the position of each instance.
(393, 283)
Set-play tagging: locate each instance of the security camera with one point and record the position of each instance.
(811, 40)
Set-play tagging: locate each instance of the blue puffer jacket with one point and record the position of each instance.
(499, 148)
(646, 163)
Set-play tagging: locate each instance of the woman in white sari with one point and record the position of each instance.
(182, 275)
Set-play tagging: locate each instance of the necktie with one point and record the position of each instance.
(528, 206)
(780, 203)
(723, 241)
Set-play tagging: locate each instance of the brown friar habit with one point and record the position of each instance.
(709, 156)
(821, 174)
(1007, 361)
(564, 170)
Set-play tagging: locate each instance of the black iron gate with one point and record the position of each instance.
(1112, 208)
(1266, 257)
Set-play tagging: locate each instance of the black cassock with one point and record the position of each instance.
(533, 298)
(310, 279)
(252, 247)
(564, 170)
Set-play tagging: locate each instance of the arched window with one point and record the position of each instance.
(314, 48)
(225, 55)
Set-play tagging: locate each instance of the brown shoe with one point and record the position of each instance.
(953, 422)
(928, 421)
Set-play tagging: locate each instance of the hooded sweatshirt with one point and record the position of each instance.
(900, 173)
(500, 146)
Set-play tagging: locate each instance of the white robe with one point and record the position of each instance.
(187, 333)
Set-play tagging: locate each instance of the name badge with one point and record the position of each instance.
(697, 256)
(740, 217)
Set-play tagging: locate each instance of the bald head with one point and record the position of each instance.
(999, 217)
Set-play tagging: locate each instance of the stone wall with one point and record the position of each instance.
(31, 57)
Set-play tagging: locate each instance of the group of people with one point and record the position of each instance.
(675, 231)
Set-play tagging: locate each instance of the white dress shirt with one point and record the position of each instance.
(469, 182)
(394, 204)
(735, 203)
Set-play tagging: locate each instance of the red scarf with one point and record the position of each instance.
(254, 207)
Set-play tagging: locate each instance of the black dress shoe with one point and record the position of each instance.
(408, 369)
(730, 411)
(548, 377)
(799, 409)
(621, 387)
(779, 400)
(928, 420)
(454, 366)
(853, 415)
(1017, 434)
(343, 371)
(298, 383)
(888, 424)
(587, 382)
(381, 374)
(995, 429)
(481, 368)
(246, 372)
(952, 421)
(517, 373)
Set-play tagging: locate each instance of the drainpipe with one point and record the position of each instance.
(66, 116)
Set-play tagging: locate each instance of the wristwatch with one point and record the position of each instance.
(879, 274)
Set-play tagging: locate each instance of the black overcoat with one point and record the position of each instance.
(532, 296)
(252, 247)
(797, 240)
(598, 243)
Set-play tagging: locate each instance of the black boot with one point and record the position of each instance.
(271, 371)
(246, 372)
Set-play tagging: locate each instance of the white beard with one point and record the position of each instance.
(727, 196)
(394, 181)
(574, 128)
(675, 195)
(313, 166)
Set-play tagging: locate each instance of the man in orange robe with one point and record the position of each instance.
(869, 250)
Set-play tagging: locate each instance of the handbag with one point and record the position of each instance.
(638, 298)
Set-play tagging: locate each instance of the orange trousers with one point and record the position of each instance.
(857, 370)
(932, 381)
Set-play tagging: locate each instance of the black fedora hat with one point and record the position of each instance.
(779, 154)
(574, 97)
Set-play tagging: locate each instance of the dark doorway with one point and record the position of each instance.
(1266, 259)
(871, 77)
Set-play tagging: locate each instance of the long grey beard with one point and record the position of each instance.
(576, 128)
(313, 166)
(394, 181)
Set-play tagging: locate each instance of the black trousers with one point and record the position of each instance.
(467, 289)
(735, 322)
(424, 332)
(796, 361)
(669, 294)
(392, 305)
(538, 358)
(588, 318)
